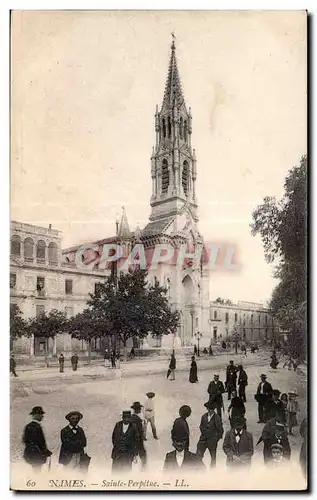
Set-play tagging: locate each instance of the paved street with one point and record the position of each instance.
(101, 394)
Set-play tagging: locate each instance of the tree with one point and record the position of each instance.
(133, 307)
(88, 325)
(47, 325)
(18, 326)
(282, 225)
(220, 300)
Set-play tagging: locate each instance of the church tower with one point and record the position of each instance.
(173, 159)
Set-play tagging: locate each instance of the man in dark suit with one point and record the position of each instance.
(263, 394)
(135, 418)
(182, 459)
(274, 407)
(74, 361)
(125, 438)
(36, 451)
(242, 383)
(180, 430)
(73, 441)
(211, 432)
(215, 391)
(238, 444)
(12, 365)
(231, 378)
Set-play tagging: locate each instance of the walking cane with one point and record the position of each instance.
(49, 464)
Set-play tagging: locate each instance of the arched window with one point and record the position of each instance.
(40, 250)
(16, 245)
(164, 128)
(29, 249)
(52, 253)
(185, 130)
(181, 128)
(165, 176)
(185, 177)
(169, 127)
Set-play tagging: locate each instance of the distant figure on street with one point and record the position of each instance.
(73, 441)
(61, 361)
(172, 367)
(125, 440)
(215, 391)
(106, 358)
(224, 345)
(292, 410)
(180, 430)
(36, 452)
(135, 418)
(195, 350)
(211, 431)
(231, 378)
(242, 382)
(205, 352)
(12, 365)
(274, 407)
(236, 408)
(193, 371)
(132, 353)
(210, 351)
(263, 394)
(274, 361)
(74, 361)
(182, 458)
(274, 432)
(149, 415)
(244, 350)
(238, 444)
(303, 450)
(113, 360)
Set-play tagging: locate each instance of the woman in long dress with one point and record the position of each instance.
(193, 371)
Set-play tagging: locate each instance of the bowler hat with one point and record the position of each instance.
(36, 410)
(72, 413)
(136, 405)
(263, 375)
(185, 411)
(210, 405)
(150, 394)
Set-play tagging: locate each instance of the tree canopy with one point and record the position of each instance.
(17, 323)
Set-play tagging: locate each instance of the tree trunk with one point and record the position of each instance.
(46, 353)
(89, 352)
(236, 347)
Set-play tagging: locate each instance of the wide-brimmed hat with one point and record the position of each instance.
(72, 413)
(126, 413)
(277, 446)
(210, 405)
(292, 393)
(136, 405)
(37, 410)
(185, 411)
(150, 394)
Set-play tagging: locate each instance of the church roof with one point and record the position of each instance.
(173, 88)
(156, 227)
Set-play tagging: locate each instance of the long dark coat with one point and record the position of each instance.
(35, 452)
(71, 443)
(124, 444)
(212, 429)
(231, 378)
(275, 410)
(215, 391)
(139, 425)
(238, 408)
(191, 461)
(172, 365)
(193, 372)
(243, 449)
(243, 378)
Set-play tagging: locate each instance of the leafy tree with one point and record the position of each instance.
(88, 325)
(18, 326)
(220, 300)
(282, 225)
(47, 325)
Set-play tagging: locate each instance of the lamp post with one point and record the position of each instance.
(198, 335)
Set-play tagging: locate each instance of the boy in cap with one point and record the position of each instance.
(135, 418)
(125, 438)
(149, 416)
(180, 430)
(73, 441)
(36, 451)
(211, 430)
(238, 444)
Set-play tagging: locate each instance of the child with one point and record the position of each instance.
(149, 415)
(292, 410)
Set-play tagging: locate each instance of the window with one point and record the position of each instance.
(251, 318)
(40, 285)
(40, 250)
(244, 319)
(164, 128)
(259, 319)
(29, 249)
(227, 317)
(266, 320)
(165, 176)
(16, 246)
(169, 123)
(52, 253)
(69, 311)
(40, 309)
(215, 314)
(181, 128)
(215, 332)
(68, 287)
(13, 280)
(236, 317)
(185, 177)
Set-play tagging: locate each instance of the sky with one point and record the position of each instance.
(85, 86)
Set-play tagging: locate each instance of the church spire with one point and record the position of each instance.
(173, 88)
(124, 229)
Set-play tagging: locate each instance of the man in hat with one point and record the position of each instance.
(238, 444)
(13, 365)
(215, 391)
(211, 430)
(61, 361)
(242, 382)
(135, 418)
(74, 361)
(125, 438)
(73, 441)
(231, 378)
(149, 416)
(274, 407)
(180, 430)
(274, 432)
(263, 394)
(36, 451)
(182, 458)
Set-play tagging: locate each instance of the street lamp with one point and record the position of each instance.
(198, 335)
